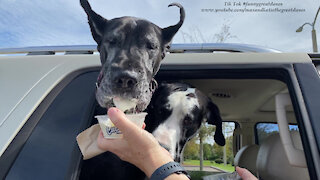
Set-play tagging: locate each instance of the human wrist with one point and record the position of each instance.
(154, 160)
(175, 176)
(169, 169)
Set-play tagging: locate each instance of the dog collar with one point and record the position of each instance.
(168, 169)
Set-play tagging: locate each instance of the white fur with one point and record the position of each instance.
(169, 132)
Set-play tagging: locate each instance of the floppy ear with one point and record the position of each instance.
(214, 118)
(96, 22)
(169, 32)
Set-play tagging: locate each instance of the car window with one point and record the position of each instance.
(51, 151)
(263, 130)
(215, 158)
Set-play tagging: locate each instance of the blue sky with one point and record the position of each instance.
(63, 22)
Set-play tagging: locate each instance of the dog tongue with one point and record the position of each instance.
(124, 104)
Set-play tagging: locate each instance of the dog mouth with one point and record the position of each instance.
(131, 101)
(128, 106)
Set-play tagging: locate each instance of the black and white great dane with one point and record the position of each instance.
(175, 114)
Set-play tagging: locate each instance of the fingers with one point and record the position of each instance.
(144, 126)
(245, 174)
(103, 143)
(128, 128)
(112, 145)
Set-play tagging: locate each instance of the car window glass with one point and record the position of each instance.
(266, 129)
(51, 151)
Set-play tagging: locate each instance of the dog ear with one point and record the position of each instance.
(169, 32)
(214, 118)
(96, 22)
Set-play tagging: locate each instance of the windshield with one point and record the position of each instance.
(271, 24)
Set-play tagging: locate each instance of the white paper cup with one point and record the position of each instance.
(111, 132)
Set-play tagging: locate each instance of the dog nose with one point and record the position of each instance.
(125, 81)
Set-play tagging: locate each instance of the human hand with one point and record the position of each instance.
(137, 146)
(245, 174)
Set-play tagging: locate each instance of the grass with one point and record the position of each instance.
(228, 167)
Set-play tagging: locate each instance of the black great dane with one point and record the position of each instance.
(131, 50)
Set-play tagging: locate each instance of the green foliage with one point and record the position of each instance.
(210, 152)
(217, 152)
(191, 151)
(205, 131)
(218, 161)
(207, 151)
(229, 150)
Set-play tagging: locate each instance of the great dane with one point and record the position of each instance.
(131, 50)
(176, 113)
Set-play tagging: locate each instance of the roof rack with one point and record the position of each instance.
(175, 48)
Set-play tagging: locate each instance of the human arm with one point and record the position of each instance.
(137, 146)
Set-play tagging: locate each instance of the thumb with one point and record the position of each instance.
(119, 119)
(245, 174)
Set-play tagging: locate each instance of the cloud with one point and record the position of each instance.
(63, 22)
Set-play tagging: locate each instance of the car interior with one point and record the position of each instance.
(249, 102)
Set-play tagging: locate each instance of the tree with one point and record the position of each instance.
(204, 132)
(207, 151)
(229, 150)
(191, 151)
(195, 35)
(224, 34)
(217, 151)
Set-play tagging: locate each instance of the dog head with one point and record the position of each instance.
(131, 50)
(176, 113)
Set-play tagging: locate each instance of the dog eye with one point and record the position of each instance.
(187, 120)
(151, 45)
(164, 109)
(166, 106)
(112, 42)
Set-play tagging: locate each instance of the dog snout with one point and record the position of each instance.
(125, 81)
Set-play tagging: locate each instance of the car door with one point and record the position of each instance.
(46, 148)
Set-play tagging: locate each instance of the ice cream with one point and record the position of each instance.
(108, 128)
(124, 104)
(110, 131)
